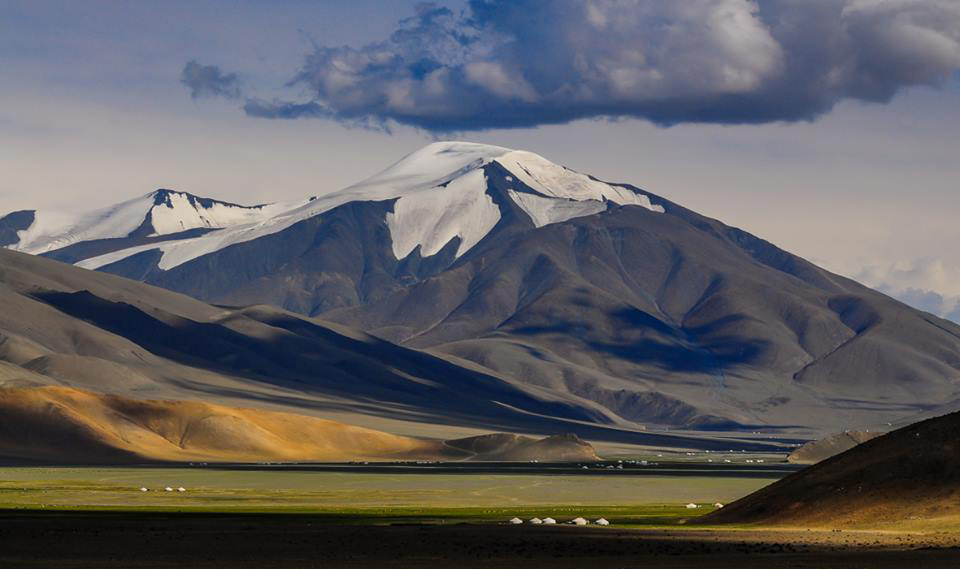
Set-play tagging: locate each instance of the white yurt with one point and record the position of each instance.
(602, 522)
(516, 521)
(578, 522)
(692, 506)
(549, 521)
(536, 521)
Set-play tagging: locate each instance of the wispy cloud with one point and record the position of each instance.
(523, 63)
(928, 284)
(209, 81)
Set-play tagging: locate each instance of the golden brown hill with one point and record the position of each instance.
(907, 478)
(59, 424)
(67, 425)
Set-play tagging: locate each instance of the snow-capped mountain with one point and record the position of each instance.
(439, 193)
(571, 286)
(161, 215)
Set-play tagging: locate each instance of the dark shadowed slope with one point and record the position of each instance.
(910, 477)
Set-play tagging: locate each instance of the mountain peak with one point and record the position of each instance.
(441, 193)
(158, 213)
(430, 166)
(167, 197)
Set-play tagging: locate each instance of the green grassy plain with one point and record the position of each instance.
(97, 518)
(371, 497)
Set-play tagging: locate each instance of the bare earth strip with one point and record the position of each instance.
(217, 541)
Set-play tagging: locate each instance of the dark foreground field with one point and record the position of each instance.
(105, 540)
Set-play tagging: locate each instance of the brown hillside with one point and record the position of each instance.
(910, 476)
(67, 425)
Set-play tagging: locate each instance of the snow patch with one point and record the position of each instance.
(553, 180)
(170, 212)
(56, 229)
(432, 217)
(544, 211)
(180, 212)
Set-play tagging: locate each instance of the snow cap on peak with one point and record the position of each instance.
(160, 212)
(431, 166)
(438, 194)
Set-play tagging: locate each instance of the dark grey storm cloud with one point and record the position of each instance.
(209, 81)
(521, 63)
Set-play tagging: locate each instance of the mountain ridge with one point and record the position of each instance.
(73, 328)
(593, 290)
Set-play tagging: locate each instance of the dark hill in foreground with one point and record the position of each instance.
(910, 477)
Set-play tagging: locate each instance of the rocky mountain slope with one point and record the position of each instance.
(63, 326)
(589, 291)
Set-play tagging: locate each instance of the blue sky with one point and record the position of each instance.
(860, 175)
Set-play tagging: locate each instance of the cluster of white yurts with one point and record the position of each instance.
(551, 521)
(584, 522)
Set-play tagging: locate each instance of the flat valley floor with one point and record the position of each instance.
(86, 518)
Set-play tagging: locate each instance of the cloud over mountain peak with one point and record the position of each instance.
(500, 64)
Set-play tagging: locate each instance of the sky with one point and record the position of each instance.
(829, 127)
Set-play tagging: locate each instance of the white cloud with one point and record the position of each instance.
(670, 62)
(928, 284)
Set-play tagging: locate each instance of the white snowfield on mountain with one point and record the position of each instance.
(52, 230)
(440, 192)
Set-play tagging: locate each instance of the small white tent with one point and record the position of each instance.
(516, 521)
(602, 522)
(549, 521)
(718, 505)
(181, 489)
(144, 490)
(536, 521)
(692, 506)
(579, 522)
(168, 489)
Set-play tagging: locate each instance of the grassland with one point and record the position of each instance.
(98, 518)
(368, 497)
